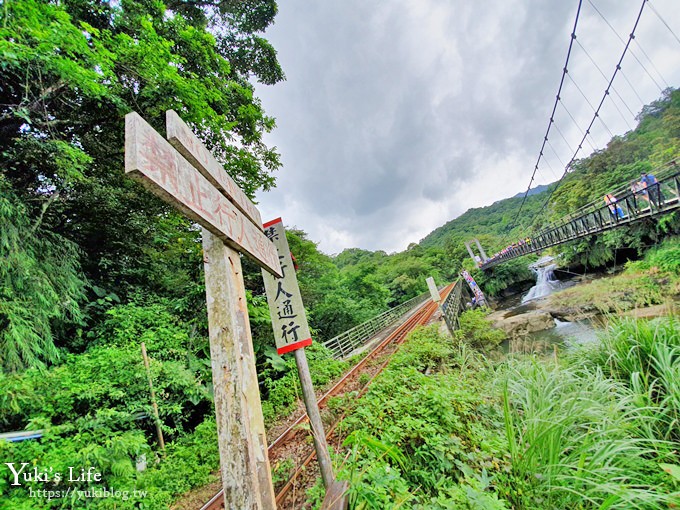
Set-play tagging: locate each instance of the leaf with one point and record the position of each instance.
(672, 469)
(276, 361)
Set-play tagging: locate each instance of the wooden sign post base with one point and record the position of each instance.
(237, 399)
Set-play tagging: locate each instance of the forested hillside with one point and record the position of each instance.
(92, 265)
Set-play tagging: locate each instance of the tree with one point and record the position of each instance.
(70, 72)
(41, 286)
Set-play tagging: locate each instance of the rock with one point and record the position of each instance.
(523, 324)
(652, 311)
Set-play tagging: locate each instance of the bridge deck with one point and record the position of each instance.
(597, 217)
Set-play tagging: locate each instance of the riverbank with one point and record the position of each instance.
(644, 289)
(446, 426)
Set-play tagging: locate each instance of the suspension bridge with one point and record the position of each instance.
(618, 208)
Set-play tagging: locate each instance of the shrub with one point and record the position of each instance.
(427, 441)
(477, 332)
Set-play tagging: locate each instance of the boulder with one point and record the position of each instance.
(525, 323)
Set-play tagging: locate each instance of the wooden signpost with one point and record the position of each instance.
(188, 177)
(291, 333)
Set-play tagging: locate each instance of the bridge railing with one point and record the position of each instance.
(598, 216)
(346, 343)
(453, 305)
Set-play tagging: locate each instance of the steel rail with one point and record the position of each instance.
(396, 338)
(421, 316)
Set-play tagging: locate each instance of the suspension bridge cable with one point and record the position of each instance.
(577, 127)
(564, 139)
(663, 21)
(593, 108)
(550, 167)
(605, 78)
(552, 118)
(555, 153)
(597, 112)
(621, 39)
(589, 140)
(651, 62)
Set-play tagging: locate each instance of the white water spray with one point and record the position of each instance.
(546, 283)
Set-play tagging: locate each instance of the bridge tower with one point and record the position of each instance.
(478, 259)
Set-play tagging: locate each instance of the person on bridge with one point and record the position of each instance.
(652, 187)
(614, 208)
(638, 189)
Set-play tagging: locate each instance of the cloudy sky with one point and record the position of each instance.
(397, 116)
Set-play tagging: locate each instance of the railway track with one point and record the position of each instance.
(295, 442)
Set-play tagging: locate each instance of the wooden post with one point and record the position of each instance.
(157, 418)
(189, 178)
(320, 445)
(246, 475)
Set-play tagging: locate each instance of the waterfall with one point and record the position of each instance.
(546, 283)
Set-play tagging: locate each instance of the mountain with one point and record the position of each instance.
(497, 219)
(533, 191)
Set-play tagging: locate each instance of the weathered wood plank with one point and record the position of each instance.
(151, 159)
(246, 475)
(187, 143)
(336, 496)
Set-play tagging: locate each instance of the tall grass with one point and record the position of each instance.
(572, 433)
(645, 355)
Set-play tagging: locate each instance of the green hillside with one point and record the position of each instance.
(92, 264)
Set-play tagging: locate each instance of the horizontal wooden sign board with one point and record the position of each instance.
(151, 159)
(187, 143)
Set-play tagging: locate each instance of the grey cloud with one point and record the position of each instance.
(393, 109)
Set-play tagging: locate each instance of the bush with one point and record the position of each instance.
(190, 461)
(280, 380)
(430, 441)
(477, 332)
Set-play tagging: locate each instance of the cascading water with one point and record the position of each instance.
(546, 283)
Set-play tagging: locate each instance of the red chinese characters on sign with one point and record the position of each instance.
(289, 320)
(188, 144)
(165, 172)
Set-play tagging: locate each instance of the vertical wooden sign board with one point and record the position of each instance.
(291, 333)
(188, 177)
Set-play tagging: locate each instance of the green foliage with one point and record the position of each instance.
(69, 73)
(104, 379)
(643, 283)
(572, 434)
(477, 332)
(128, 325)
(502, 276)
(429, 441)
(665, 258)
(41, 287)
(645, 355)
(280, 389)
(189, 462)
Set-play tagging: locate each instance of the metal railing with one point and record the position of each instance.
(452, 305)
(343, 345)
(598, 216)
